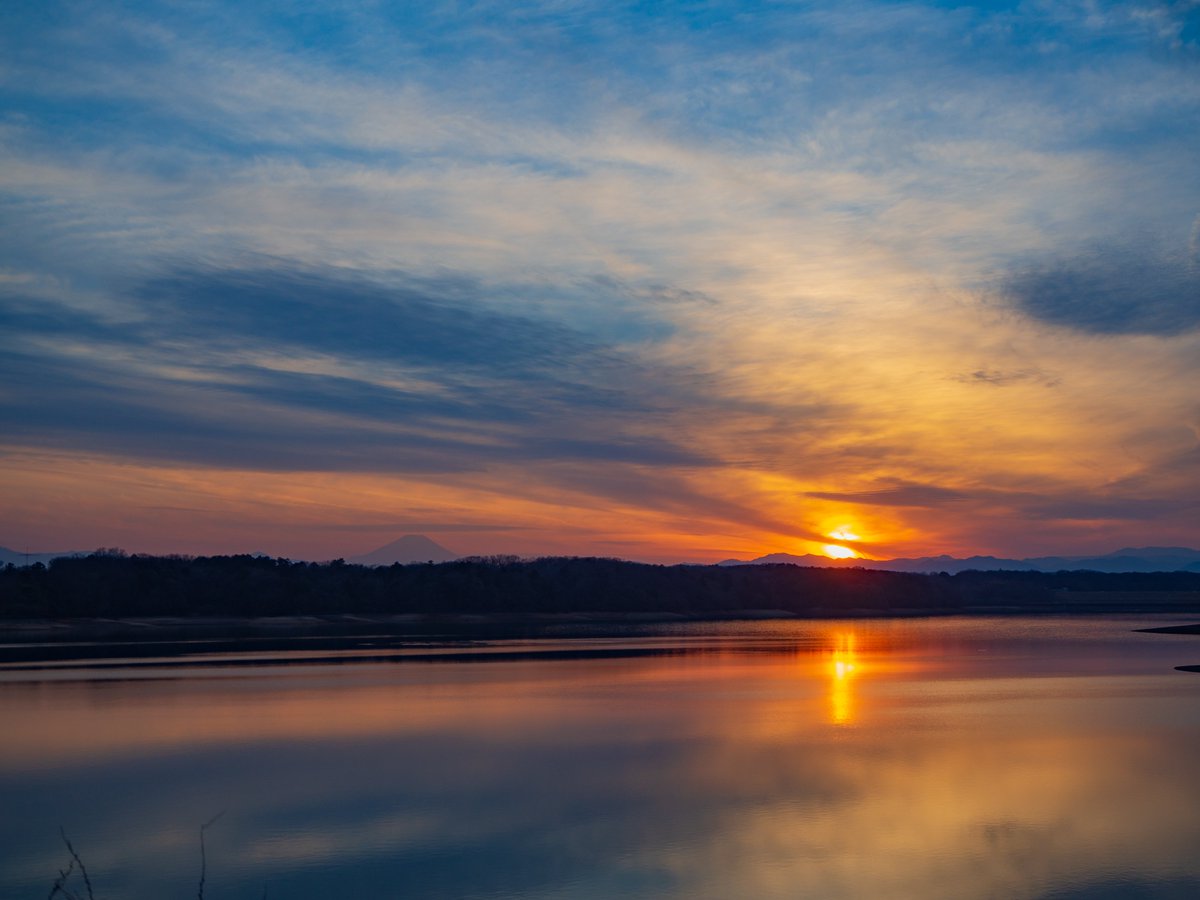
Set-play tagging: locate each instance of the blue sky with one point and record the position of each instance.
(666, 281)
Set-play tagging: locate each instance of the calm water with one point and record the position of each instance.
(952, 758)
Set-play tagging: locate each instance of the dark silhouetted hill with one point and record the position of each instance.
(412, 548)
(1130, 559)
(115, 585)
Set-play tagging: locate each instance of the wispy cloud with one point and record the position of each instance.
(297, 368)
(1129, 288)
(897, 495)
(722, 272)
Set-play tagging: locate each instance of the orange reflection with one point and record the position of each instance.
(843, 667)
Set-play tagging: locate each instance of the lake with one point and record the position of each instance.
(952, 758)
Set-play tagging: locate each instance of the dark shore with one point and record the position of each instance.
(41, 641)
(114, 586)
(1173, 629)
(111, 605)
(203, 641)
(1176, 629)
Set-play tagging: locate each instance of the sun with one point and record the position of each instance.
(835, 551)
(839, 551)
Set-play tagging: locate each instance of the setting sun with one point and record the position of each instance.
(835, 551)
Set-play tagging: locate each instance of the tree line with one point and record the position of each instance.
(112, 584)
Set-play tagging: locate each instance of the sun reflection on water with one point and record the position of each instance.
(843, 667)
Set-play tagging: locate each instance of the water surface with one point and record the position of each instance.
(941, 758)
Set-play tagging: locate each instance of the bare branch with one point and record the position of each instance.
(59, 886)
(79, 862)
(203, 857)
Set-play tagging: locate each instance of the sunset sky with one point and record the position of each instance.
(671, 281)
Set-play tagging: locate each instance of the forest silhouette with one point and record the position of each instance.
(109, 583)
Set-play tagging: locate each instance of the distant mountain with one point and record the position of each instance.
(20, 558)
(1129, 559)
(411, 548)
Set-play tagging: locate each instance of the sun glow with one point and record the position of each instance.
(835, 551)
(839, 550)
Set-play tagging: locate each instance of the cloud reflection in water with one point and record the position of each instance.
(984, 760)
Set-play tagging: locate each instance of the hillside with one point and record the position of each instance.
(110, 585)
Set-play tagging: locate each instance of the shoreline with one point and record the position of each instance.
(135, 627)
(1173, 629)
(41, 643)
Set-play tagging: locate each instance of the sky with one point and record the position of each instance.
(661, 281)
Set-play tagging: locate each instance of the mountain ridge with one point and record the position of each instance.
(1127, 559)
(417, 548)
(410, 548)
